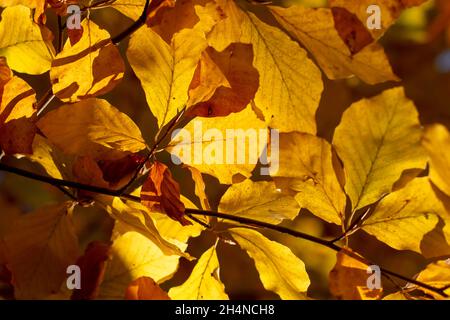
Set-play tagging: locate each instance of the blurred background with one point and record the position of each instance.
(418, 47)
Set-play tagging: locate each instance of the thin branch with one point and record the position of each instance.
(301, 235)
(193, 212)
(60, 34)
(136, 25)
(152, 151)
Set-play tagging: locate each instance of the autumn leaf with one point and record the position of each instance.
(204, 282)
(161, 193)
(192, 146)
(390, 10)
(404, 217)
(40, 246)
(316, 29)
(436, 274)
(52, 160)
(313, 179)
(279, 269)
(17, 109)
(26, 45)
(349, 278)
(199, 187)
(436, 141)
(231, 89)
(133, 8)
(290, 84)
(164, 70)
(378, 139)
(261, 201)
(199, 15)
(92, 266)
(135, 217)
(91, 127)
(145, 288)
(134, 256)
(98, 64)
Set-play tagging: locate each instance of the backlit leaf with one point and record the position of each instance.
(204, 282)
(279, 269)
(377, 139)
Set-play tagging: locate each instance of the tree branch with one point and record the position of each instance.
(136, 25)
(243, 220)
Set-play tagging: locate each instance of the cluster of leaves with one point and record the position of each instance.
(230, 65)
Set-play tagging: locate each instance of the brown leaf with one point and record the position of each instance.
(17, 135)
(161, 193)
(235, 63)
(348, 279)
(92, 265)
(145, 288)
(118, 172)
(351, 30)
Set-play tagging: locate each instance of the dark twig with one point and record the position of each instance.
(242, 220)
(136, 25)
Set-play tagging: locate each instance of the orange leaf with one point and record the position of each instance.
(92, 265)
(348, 279)
(145, 288)
(235, 63)
(161, 193)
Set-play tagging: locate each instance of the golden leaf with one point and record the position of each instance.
(204, 282)
(89, 68)
(27, 46)
(290, 84)
(316, 30)
(260, 201)
(279, 269)
(378, 139)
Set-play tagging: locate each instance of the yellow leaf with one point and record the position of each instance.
(377, 139)
(348, 279)
(130, 8)
(436, 274)
(403, 217)
(17, 100)
(27, 46)
(199, 187)
(260, 201)
(89, 68)
(135, 217)
(204, 282)
(396, 296)
(436, 141)
(306, 166)
(40, 246)
(52, 160)
(290, 83)
(165, 71)
(316, 30)
(203, 144)
(279, 269)
(87, 127)
(133, 256)
(39, 5)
